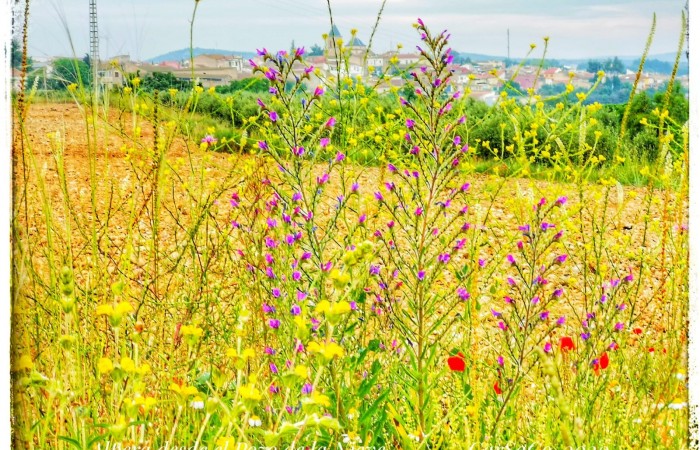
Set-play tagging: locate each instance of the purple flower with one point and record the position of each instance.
(444, 258)
(271, 223)
(301, 295)
(318, 91)
(585, 336)
(419, 211)
(560, 259)
(322, 179)
(535, 300)
(511, 259)
(378, 196)
(269, 272)
(209, 139)
(389, 186)
(544, 315)
(298, 150)
(561, 320)
(324, 142)
(330, 122)
(457, 140)
(339, 156)
(276, 292)
(274, 389)
(548, 347)
(262, 145)
(463, 294)
(362, 218)
(421, 275)
(273, 116)
(273, 368)
(482, 262)
(500, 360)
(496, 313)
(390, 224)
(273, 323)
(262, 52)
(268, 309)
(558, 292)
(619, 326)
(295, 310)
(272, 90)
(410, 123)
(270, 243)
(560, 201)
(374, 270)
(525, 229)
(415, 150)
(508, 299)
(354, 187)
(629, 278)
(546, 226)
(296, 275)
(305, 256)
(269, 351)
(510, 281)
(307, 389)
(326, 266)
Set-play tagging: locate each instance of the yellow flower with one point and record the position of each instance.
(172, 92)
(185, 392)
(104, 365)
(127, 364)
(301, 371)
(326, 350)
(136, 81)
(72, 87)
(320, 399)
(250, 392)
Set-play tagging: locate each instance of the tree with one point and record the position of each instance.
(614, 66)
(162, 81)
(16, 56)
(316, 50)
(594, 66)
(68, 71)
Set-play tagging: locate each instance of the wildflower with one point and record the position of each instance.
(330, 122)
(444, 258)
(273, 116)
(274, 323)
(511, 259)
(566, 344)
(419, 211)
(463, 294)
(637, 331)
(295, 310)
(560, 259)
(548, 347)
(456, 363)
(544, 315)
(500, 360)
(421, 275)
(307, 388)
(497, 389)
(105, 365)
(378, 195)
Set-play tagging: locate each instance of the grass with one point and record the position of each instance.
(167, 294)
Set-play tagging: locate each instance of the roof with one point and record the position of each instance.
(335, 32)
(355, 42)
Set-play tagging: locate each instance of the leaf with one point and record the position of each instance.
(74, 442)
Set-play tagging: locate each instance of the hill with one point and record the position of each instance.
(182, 54)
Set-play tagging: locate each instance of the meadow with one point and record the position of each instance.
(337, 269)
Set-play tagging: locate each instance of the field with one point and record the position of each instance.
(287, 294)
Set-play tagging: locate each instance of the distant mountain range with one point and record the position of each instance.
(183, 54)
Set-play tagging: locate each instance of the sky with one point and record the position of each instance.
(148, 28)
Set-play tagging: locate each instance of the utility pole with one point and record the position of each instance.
(94, 48)
(508, 57)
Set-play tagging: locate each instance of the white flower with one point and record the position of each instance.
(197, 403)
(254, 421)
(677, 405)
(352, 438)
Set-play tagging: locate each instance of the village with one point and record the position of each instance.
(351, 58)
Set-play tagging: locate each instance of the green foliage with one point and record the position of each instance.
(162, 81)
(253, 84)
(68, 71)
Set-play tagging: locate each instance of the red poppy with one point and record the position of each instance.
(651, 349)
(457, 363)
(604, 361)
(566, 343)
(497, 389)
(637, 330)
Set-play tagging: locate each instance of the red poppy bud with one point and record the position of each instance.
(604, 361)
(457, 363)
(637, 330)
(497, 389)
(566, 343)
